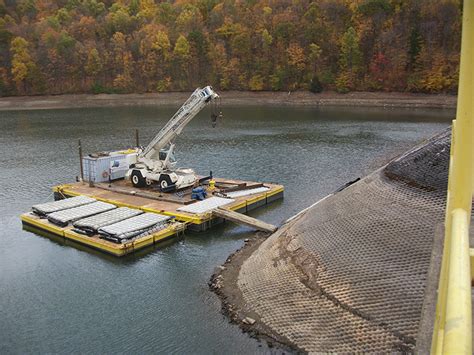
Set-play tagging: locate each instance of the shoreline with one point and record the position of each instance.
(233, 98)
(223, 283)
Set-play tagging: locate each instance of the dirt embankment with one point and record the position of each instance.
(232, 98)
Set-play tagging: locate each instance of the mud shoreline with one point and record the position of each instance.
(224, 284)
(232, 98)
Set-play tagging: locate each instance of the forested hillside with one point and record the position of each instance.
(76, 46)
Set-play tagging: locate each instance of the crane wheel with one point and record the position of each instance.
(164, 181)
(137, 179)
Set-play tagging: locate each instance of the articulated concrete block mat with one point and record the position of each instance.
(350, 274)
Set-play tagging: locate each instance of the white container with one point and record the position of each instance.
(102, 167)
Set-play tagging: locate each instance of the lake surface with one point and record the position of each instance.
(55, 297)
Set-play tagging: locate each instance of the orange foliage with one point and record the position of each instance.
(147, 45)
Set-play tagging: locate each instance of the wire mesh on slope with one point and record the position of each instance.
(350, 274)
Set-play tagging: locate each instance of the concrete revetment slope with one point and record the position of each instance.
(350, 273)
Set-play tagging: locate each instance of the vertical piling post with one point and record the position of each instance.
(137, 140)
(80, 160)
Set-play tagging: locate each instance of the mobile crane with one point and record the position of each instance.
(156, 162)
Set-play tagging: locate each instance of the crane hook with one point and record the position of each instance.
(216, 113)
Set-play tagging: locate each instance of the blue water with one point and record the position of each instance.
(58, 297)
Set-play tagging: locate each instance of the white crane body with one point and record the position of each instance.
(155, 163)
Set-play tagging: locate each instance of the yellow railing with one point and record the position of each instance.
(453, 324)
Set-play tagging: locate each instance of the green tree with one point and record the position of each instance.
(315, 84)
(267, 39)
(256, 83)
(5, 34)
(314, 53)
(27, 8)
(94, 63)
(92, 8)
(182, 49)
(351, 56)
(65, 43)
(189, 19)
(181, 53)
(119, 20)
(350, 61)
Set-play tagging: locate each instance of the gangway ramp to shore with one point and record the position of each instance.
(240, 218)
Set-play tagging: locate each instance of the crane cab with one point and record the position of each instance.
(208, 93)
(164, 154)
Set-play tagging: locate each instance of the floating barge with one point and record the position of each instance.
(137, 197)
(183, 211)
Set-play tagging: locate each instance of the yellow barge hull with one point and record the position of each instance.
(100, 244)
(122, 194)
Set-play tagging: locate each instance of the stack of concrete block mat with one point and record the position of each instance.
(44, 209)
(70, 215)
(135, 227)
(91, 225)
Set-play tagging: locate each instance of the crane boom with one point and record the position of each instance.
(150, 167)
(193, 105)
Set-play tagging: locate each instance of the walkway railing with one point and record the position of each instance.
(453, 325)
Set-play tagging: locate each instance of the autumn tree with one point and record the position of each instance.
(124, 82)
(73, 46)
(148, 10)
(372, 14)
(94, 63)
(189, 19)
(296, 64)
(218, 61)
(155, 54)
(23, 67)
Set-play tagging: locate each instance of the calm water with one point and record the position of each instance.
(60, 298)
